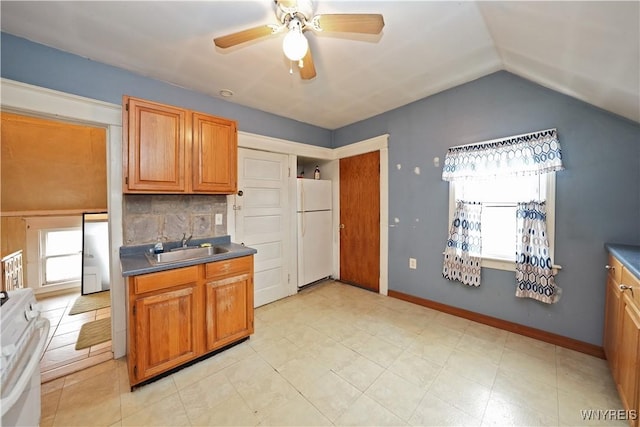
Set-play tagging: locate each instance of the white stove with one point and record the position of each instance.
(23, 337)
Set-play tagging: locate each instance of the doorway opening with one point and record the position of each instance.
(45, 214)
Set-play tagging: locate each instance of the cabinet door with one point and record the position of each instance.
(629, 353)
(611, 320)
(229, 310)
(154, 147)
(215, 151)
(165, 331)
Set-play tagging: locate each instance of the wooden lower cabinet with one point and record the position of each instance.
(629, 355)
(622, 336)
(229, 310)
(178, 315)
(165, 331)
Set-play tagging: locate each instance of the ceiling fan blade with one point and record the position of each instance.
(243, 36)
(308, 70)
(365, 23)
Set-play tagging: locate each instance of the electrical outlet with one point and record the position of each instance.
(218, 219)
(413, 263)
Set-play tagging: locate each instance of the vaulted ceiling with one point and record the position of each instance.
(588, 50)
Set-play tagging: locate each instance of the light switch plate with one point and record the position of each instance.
(218, 219)
(412, 263)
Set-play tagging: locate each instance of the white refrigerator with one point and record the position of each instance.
(315, 237)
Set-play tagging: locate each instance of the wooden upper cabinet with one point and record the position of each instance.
(215, 149)
(168, 149)
(154, 147)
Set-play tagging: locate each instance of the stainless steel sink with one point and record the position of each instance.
(185, 254)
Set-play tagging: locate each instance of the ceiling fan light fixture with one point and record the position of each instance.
(295, 44)
(295, 17)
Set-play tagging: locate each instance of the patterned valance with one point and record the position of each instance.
(533, 153)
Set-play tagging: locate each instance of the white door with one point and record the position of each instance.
(263, 222)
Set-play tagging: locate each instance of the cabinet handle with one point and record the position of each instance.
(610, 267)
(625, 287)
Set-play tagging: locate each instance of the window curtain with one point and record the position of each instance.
(534, 271)
(462, 256)
(534, 153)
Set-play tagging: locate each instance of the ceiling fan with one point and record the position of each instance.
(295, 17)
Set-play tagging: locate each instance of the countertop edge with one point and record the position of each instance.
(133, 261)
(628, 255)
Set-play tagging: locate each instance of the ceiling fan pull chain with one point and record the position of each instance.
(290, 67)
(301, 64)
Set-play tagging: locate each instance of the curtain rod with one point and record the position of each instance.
(500, 139)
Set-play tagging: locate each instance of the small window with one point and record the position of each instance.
(499, 197)
(61, 255)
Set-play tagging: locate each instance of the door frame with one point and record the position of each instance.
(23, 98)
(298, 149)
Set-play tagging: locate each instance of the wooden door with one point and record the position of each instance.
(360, 220)
(263, 221)
(228, 310)
(611, 321)
(215, 154)
(165, 331)
(154, 147)
(629, 353)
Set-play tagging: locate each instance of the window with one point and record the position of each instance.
(53, 252)
(61, 255)
(499, 197)
(504, 195)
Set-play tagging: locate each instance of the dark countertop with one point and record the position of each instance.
(628, 255)
(134, 262)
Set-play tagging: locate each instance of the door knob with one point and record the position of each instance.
(240, 193)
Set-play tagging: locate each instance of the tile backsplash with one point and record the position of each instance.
(149, 218)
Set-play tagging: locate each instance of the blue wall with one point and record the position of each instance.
(33, 63)
(598, 195)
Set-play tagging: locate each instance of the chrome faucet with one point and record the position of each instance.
(185, 239)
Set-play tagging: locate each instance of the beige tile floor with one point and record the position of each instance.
(60, 357)
(339, 355)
